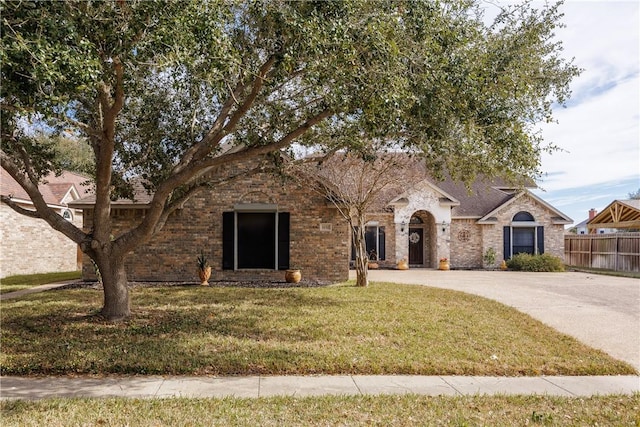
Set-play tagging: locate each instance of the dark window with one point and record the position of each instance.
(255, 240)
(524, 240)
(523, 216)
(374, 239)
(256, 237)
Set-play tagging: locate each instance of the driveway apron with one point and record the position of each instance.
(601, 311)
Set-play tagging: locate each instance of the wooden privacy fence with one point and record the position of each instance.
(617, 251)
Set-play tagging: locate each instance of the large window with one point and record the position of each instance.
(374, 237)
(523, 236)
(255, 240)
(524, 240)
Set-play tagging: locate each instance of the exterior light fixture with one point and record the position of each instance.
(402, 225)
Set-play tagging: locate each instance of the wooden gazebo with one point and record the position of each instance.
(620, 214)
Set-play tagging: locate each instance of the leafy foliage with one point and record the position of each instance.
(528, 262)
(165, 92)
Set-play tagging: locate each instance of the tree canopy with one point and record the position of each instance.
(169, 91)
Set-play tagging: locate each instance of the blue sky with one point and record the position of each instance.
(598, 130)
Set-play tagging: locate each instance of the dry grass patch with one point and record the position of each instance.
(383, 329)
(405, 410)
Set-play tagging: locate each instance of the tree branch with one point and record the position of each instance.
(43, 211)
(16, 207)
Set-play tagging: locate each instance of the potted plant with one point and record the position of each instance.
(403, 264)
(204, 269)
(444, 264)
(373, 260)
(293, 275)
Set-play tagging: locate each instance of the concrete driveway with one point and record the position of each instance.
(601, 311)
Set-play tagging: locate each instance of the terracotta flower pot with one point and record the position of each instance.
(443, 265)
(204, 276)
(403, 265)
(293, 276)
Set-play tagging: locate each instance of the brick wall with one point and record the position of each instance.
(31, 246)
(470, 241)
(319, 240)
(553, 233)
(466, 244)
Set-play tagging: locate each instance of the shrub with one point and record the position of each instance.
(527, 262)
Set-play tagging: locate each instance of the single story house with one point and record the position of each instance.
(30, 245)
(258, 225)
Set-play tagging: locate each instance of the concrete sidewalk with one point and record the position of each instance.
(35, 289)
(258, 386)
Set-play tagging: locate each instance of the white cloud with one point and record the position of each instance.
(599, 130)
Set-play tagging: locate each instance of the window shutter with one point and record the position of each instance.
(283, 240)
(381, 242)
(506, 238)
(228, 238)
(540, 231)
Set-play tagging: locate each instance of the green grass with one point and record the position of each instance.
(405, 410)
(382, 329)
(16, 283)
(631, 274)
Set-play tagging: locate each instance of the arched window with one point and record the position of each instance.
(523, 236)
(523, 216)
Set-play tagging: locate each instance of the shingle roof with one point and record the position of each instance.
(480, 198)
(477, 200)
(53, 188)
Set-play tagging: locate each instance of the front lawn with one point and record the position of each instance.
(383, 329)
(397, 411)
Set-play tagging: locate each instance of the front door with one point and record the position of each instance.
(416, 246)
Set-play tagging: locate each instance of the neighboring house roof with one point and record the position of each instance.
(141, 200)
(56, 190)
(618, 214)
(583, 224)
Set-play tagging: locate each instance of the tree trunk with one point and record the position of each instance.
(362, 271)
(117, 304)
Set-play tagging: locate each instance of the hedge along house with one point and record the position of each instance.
(444, 219)
(250, 228)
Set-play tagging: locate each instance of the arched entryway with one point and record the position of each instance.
(421, 240)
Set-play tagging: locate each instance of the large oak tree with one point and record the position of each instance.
(166, 92)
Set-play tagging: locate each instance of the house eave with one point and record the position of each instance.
(445, 201)
(115, 205)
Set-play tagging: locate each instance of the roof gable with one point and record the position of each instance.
(559, 218)
(618, 214)
(56, 190)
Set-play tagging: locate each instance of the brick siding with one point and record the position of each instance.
(319, 239)
(31, 246)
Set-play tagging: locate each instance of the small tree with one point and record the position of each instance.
(354, 182)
